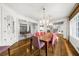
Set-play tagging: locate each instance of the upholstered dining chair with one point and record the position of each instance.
(53, 41)
(41, 33)
(37, 43)
(37, 34)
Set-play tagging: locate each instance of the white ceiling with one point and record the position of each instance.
(34, 10)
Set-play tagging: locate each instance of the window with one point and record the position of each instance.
(77, 26)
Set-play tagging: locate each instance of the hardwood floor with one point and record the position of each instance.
(22, 48)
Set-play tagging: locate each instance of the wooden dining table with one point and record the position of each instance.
(46, 38)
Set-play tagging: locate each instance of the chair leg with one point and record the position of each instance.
(52, 49)
(54, 46)
(39, 52)
(31, 45)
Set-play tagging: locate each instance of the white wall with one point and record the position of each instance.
(34, 28)
(8, 17)
(64, 26)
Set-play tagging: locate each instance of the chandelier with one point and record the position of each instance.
(45, 23)
(45, 18)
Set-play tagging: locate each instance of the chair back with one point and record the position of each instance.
(54, 39)
(37, 34)
(35, 41)
(41, 33)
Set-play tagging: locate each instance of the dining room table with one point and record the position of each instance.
(46, 38)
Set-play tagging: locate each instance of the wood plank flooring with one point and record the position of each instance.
(22, 48)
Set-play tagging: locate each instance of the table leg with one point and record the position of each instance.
(9, 51)
(31, 45)
(46, 47)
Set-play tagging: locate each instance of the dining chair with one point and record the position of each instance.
(37, 34)
(53, 41)
(41, 33)
(44, 33)
(37, 43)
